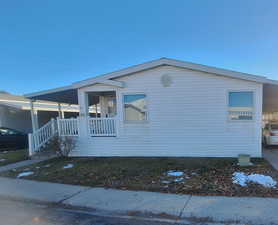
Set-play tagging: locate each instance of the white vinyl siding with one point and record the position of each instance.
(188, 118)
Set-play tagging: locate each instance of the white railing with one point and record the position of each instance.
(68, 127)
(102, 126)
(41, 136)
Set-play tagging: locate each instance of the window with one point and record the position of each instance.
(241, 105)
(135, 107)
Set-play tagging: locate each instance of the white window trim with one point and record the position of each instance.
(254, 105)
(147, 109)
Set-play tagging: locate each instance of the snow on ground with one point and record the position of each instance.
(2, 160)
(172, 173)
(25, 174)
(180, 179)
(242, 179)
(68, 166)
(48, 165)
(165, 182)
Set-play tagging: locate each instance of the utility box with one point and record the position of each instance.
(244, 160)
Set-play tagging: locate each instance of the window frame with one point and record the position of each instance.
(254, 104)
(123, 108)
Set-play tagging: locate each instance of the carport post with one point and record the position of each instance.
(34, 117)
(60, 112)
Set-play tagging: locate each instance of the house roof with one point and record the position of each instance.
(109, 77)
(170, 62)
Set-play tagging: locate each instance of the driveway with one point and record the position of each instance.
(271, 155)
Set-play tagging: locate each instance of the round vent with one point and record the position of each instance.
(166, 80)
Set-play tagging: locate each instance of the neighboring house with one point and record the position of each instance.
(15, 112)
(167, 108)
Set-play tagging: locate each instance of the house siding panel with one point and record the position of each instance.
(188, 118)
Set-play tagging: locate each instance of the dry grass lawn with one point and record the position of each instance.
(202, 176)
(8, 157)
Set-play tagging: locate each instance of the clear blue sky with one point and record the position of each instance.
(51, 43)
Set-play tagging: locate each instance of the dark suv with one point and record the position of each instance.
(11, 139)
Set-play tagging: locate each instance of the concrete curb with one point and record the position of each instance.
(119, 202)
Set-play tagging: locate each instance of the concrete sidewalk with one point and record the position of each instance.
(252, 210)
(23, 163)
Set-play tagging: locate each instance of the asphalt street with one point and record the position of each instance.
(27, 213)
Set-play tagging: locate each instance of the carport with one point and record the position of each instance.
(45, 109)
(270, 102)
(270, 114)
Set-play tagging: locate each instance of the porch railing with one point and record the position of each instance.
(41, 136)
(102, 127)
(68, 127)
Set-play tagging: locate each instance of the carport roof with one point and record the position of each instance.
(21, 102)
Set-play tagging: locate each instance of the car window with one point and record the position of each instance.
(6, 131)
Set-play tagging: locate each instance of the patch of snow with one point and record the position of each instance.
(194, 174)
(172, 173)
(2, 160)
(165, 182)
(242, 179)
(180, 179)
(48, 165)
(239, 178)
(68, 166)
(25, 174)
(37, 167)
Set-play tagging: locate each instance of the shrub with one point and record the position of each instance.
(62, 146)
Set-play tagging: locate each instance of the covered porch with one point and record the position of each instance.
(97, 112)
(97, 117)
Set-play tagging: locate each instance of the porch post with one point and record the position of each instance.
(34, 116)
(84, 113)
(63, 114)
(30, 145)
